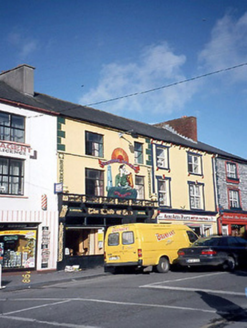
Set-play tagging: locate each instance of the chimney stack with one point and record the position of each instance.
(185, 126)
(20, 78)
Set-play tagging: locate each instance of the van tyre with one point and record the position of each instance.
(163, 265)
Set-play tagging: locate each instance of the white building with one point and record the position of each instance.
(28, 171)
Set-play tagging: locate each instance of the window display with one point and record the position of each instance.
(18, 248)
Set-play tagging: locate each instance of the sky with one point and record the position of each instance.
(146, 60)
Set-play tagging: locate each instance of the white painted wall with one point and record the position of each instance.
(40, 176)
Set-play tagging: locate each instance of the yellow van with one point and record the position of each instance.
(139, 245)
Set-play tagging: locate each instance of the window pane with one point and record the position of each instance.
(128, 237)
(113, 239)
(11, 176)
(138, 153)
(94, 144)
(94, 182)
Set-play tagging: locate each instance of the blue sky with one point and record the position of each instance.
(89, 51)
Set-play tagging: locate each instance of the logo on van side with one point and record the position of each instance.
(162, 236)
(120, 229)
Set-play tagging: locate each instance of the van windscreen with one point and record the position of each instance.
(113, 239)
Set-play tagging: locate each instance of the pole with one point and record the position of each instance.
(1, 277)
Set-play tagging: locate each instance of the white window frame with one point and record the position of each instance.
(234, 199)
(164, 196)
(231, 170)
(94, 147)
(194, 164)
(162, 157)
(138, 152)
(140, 187)
(196, 195)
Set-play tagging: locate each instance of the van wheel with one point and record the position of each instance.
(163, 265)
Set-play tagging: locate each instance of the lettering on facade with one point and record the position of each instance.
(104, 211)
(179, 217)
(12, 148)
(61, 167)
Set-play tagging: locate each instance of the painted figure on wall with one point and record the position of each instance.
(124, 186)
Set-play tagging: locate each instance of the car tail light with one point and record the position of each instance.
(139, 252)
(104, 255)
(208, 252)
(181, 253)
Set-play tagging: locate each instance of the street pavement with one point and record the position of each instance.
(31, 279)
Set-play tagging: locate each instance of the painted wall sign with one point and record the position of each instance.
(182, 217)
(124, 184)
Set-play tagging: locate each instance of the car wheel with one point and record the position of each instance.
(163, 265)
(230, 264)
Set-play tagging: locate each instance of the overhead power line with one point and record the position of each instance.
(168, 85)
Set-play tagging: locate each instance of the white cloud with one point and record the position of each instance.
(157, 66)
(24, 45)
(227, 47)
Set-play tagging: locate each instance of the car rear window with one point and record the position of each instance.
(207, 242)
(128, 238)
(113, 239)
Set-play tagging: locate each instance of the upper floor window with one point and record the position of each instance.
(138, 147)
(11, 176)
(196, 194)
(164, 192)
(94, 182)
(94, 144)
(12, 127)
(139, 186)
(162, 157)
(231, 171)
(194, 164)
(234, 199)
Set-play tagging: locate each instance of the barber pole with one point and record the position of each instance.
(44, 202)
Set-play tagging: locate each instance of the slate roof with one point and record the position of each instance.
(91, 115)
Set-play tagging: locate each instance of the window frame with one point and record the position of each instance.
(166, 157)
(12, 128)
(229, 178)
(192, 164)
(231, 200)
(138, 153)
(142, 186)
(167, 192)
(101, 182)
(90, 149)
(200, 187)
(9, 176)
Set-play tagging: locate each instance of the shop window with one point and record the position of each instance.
(234, 199)
(194, 164)
(162, 157)
(196, 195)
(82, 242)
(164, 192)
(11, 176)
(94, 144)
(12, 127)
(139, 186)
(232, 172)
(18, 249)
(94, 182)
(138, 149)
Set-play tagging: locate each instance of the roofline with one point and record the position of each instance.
(19, 104)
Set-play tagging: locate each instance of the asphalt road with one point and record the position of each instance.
(192, 299)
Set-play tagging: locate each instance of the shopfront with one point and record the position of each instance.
(203, 225)
(233, 224)
(18, 246)
(84, 220)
